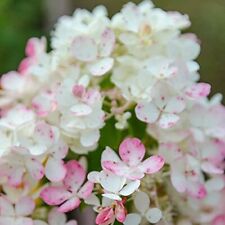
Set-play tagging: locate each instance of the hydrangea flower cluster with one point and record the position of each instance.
(113, 118)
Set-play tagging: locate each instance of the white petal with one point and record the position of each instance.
(168, 120)
(175, 105)
(130, 188)
(110, 182)
(89, 138)
(25, 207)
(132, 219)
(141, 202)
(84, 49)
(101, 67)
(81, 109)
(112, 196)
(55, 170)
(147, 112)
(153, 215)
(56, 218)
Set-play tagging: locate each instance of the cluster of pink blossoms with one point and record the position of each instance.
(100, 76)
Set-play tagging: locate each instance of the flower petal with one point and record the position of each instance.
(111, 182)
(168, 120)
(198, 90)
(86, 190)
(175, 105)
(84, 49)
(147, 112)
(69, 205)
(132, 151)
(130, 188)
(105, 216)
(107, 42)
(132, 219)
(101, 66)
(152, 164)
(6, 207)
(55, 170)
(120, 212)
(75, 175)
(56, 218)
(154, 215)
(55, 195)
(25, 206)
(35, 168)
(141, 202)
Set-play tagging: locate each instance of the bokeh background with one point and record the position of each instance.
(21, 19)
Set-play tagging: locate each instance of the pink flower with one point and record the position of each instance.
(108, 214)
(132, 152)
(68, 195)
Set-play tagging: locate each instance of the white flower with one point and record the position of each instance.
(142, 202)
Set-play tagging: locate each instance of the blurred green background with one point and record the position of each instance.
(21, 19)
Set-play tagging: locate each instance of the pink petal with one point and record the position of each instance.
(101, 66)
(196, 190)
(107, 42)
(147, 112)
(120, 212)
(55, 170)
(84, 49)
(132, 151)
(152, 164)
(211, 169)
(86, 190)
(34, 45)
(168, 120)
(55, 195)
(69, 205)
(6, 207)
(219, 220)
(25, 206)
(44, 133)
(198, 90)
(44, 103)
(35, 168)
(118, 168)
(105, 215)
(25, 64)
(75, 175)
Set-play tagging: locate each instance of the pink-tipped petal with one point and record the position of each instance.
(198, 90)
(118, 168)
(55, 170)
(105, 216)
(152, 164)
(86, 190)
(75, 175)
(55, 195)
(69, 205)
(147, 112)
(84, 49)
(132, 151)
(35, 168)
(120, 212)
(168, 120)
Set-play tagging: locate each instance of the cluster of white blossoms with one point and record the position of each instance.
(105, 82)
